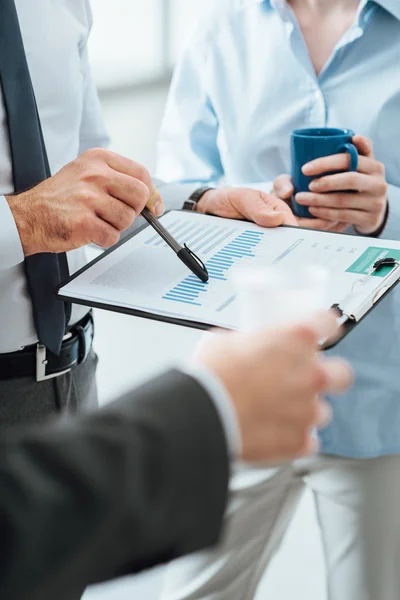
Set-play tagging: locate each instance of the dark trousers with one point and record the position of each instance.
(25, 401)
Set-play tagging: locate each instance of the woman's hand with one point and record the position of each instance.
(353, 198)
(283, 189)
(267, 210)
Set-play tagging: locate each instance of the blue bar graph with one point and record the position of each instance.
(191, 289)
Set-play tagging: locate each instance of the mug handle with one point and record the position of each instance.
(352, 150)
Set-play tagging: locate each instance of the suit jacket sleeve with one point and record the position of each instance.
(141, 482)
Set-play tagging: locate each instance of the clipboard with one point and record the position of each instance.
(352, 307)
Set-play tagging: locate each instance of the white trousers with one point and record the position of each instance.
(358, 510)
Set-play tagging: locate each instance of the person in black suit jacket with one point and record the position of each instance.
(145, 480)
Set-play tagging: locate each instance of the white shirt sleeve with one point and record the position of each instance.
(219, 395)
(188, 150)
(11, 252)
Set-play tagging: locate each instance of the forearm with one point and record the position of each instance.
(139, 483)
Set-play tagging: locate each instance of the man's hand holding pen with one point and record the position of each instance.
(91, 200)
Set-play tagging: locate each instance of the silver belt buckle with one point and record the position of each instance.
(41, 363)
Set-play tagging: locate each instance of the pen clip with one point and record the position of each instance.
(196, 258)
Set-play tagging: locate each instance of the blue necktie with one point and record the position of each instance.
(30, 166)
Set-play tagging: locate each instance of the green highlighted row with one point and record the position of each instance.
(363, 265)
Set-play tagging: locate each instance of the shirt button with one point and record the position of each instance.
(318, 111)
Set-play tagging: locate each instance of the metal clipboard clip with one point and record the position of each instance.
(349, 312)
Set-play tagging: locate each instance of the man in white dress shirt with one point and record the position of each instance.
(51, 124)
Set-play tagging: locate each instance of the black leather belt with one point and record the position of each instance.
(36, 361)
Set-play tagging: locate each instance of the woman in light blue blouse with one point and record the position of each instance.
(257, 70)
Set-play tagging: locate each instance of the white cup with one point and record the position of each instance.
(274, 295)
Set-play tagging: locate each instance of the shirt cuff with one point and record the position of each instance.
(218, 394)
(11, 251)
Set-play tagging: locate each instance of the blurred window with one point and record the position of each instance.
(138, 41)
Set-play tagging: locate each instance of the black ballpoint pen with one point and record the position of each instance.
(187, 256)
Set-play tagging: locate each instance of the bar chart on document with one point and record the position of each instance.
(223, 249)
(228, 246)
(145, 275)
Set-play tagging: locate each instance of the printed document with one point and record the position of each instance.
(144, 274)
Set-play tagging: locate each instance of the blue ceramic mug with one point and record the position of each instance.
(309, 144)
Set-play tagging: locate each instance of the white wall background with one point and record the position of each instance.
(134, 41)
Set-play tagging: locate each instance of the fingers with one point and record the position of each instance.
(122, 178)
(96, 159)
(263, 209)
(351, 217)
(279, 207)
(358, 182)
(338, 374)
(130, 191)
(283, 187)
(268, 218)
(364, 146)
(339, 228)
(364, 208)
(319, 224)
(155, 203)
(266, 210)
(135, 193)
(360, 219)
(323, 413)
(356, 198)
(340, 162)
(339, 200)
(101, 233)
(368, 202)
(127, 167)
(256, 207)
(319, 327)
(115, 213)
(298, 342)
(335, 226)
